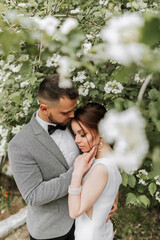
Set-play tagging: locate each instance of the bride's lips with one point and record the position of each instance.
(81, 147)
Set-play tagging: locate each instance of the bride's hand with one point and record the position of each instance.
(84, 161)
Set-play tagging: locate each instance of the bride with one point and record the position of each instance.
(95, 183)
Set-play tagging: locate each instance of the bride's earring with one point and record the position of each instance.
(100, 145)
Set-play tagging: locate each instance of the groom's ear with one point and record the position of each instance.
(44, 108)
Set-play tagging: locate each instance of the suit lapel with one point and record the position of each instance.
(43, 137)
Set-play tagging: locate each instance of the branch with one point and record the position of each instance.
(144, 86)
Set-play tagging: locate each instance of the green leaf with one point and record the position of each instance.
(153, 94)
(131, 198)
(131, 181)
(144, 200)
(15, 97)
(124, 179)
(152, 188)
(33, 80)
(141, 188)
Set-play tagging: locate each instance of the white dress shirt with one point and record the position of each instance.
(63, 139)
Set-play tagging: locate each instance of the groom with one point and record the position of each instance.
(41, 157)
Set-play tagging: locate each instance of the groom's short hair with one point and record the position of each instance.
(49, 89)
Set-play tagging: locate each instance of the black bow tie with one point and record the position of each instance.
(52, 128)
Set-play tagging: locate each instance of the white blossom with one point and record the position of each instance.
(86, 47)
(122, 35)
(141, 181)
(89, 36)
(103, 2)
(113, 87)
(26, 103)
(108, 15)
(92, 85)
(10, 58)
(14, 68)
(23, 5)
(127, 130)
(53, 61)
(83, 91)
(117, 8)
(157, 196)
(19, 115)
(80, 77)
(157, 178)
(48, 24)
(137, 4)
(1, 63)
(64, 67)
(65, 83)
(77, 10)
(68, 25)
(142, 172)
(3, 132)
(16, 129)
(138, 79)
(24, 84)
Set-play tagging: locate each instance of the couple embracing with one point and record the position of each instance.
(60, 164)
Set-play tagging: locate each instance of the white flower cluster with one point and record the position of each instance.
(14, 68)
(103, 2)
(80, 77)
(113, 87)
(64, 70)
(127, 131)
(19, 115)
(53, 61)
(157, 178)
(3, 141)
(68, 25)
(23, 5)
(86, 47)
(16, 129)
(139, 4)
(142, 175)
(122, 35)
(48, 24)
(77, 10)
(84, 89)
(138, 79)
(157, 196)
(24, 84)
(26, 105)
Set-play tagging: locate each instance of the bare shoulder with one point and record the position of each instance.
(100, 169)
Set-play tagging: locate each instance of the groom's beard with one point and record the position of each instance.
(52, 120)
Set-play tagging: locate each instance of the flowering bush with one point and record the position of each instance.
(110, 50)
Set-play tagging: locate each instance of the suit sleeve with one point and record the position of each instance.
(29, 180)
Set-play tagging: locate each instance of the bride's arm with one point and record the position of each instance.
(91, 189)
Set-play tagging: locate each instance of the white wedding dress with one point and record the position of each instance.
(97, 228)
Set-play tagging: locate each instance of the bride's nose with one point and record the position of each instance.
(77, 139)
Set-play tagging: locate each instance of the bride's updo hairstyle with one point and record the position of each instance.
(90, 115)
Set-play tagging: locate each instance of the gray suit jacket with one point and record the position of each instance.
(42, 176)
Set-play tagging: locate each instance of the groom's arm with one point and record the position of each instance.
(29, 179)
